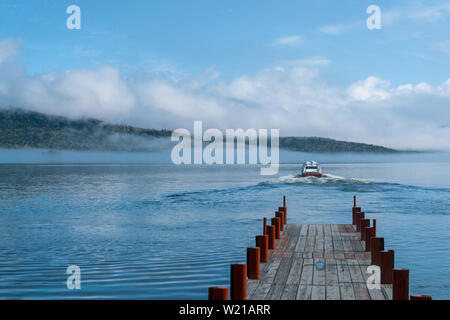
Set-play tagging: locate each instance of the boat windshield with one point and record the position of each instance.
(310, 168)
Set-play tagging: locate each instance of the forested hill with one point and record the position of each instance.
(317, 144)
(25, 129)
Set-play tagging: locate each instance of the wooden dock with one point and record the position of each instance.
(317, 262)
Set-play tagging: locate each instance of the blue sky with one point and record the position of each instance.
(167, 63)
(235, 37)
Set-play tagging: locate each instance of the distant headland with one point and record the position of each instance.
(20, 129)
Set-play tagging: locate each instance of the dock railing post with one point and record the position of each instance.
(218, 293)
(265, 225)
(355, 211)
(387, 265)
(238, 279)
(262, 242)
(363, 224)
(276, 224)
(283, 211)
(271, 236)
(400, 284)
(368, 236)
(280, 214)
(253, 261)
(359, 216)
(376, 246)
(419, 297)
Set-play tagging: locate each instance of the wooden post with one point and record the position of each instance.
(262, 242)
(265, 226)
(253, 260)
(276, 224)
(354, 201)
(284, 211)
(359, 216)
(218, 293)
(271, 236)
(284, 201)
(238, 280)
(368, 236)
(419, 297)
(387, 264)
(400, 284)
(363, 224)
(376, 246)
(355, 210)
(374, 221)
(280, 214)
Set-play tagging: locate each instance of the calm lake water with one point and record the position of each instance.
(158, 231)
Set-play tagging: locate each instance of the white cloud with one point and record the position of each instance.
(334, 29)
(290, 40)
(9, 48)
(292, 96)
(74, 93)
(370, 88)
(417, 11)
(308, 62)
(444, 46)
(429, 13)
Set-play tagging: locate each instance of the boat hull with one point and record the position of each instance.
(317, 175)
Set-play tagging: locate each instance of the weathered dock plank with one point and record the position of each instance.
(295, 272)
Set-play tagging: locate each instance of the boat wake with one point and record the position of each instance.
(324, 180)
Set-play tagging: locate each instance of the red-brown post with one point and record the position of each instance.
(400, 284)
(374, 227)
(284, 201)
(283, 211)
(238, 279)
(363, 224)
(276, 223)
(387, 264)
(354, 201)
(355, 211)
(265, 225)
(280, 214)
(419, 297)
(218, 293)
(368, 236)
(253, 260)
(376, 246)
(262, 242)
(285, 215)
(359, 216)
(271, 236)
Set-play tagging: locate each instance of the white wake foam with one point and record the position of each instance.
(325, 179)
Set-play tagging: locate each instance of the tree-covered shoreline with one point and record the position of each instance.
(21, 129)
